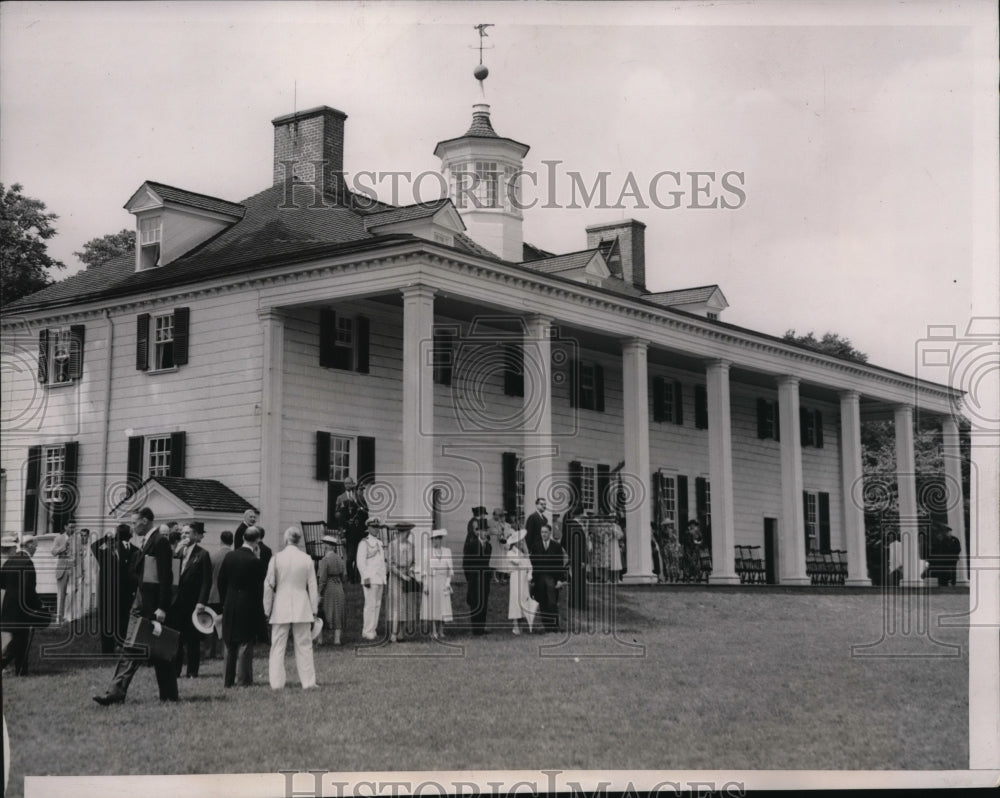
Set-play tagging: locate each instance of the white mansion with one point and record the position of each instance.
(278, 345)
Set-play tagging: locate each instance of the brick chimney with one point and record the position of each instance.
(309, 140)
(631, 235)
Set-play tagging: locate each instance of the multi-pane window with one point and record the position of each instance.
(588, 385)
(60, 342)
(340, 458)
(768, 425)
(150, 235)
(706, 510)
(158, 461)
(588, 487)
(487, 184)
(163, 341)
(519, 514)
(712, 315)
(668, 500)
(812, 522)
(55, 470)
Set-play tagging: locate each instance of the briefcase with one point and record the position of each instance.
(141, 641)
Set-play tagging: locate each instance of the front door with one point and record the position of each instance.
(771, 550)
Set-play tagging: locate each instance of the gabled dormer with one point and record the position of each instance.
(705, 300)
(587, 266)
(436, 221)
(170, 222)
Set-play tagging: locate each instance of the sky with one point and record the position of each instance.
(863, 133)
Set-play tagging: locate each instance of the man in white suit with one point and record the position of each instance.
(291, 602)
(372, 569)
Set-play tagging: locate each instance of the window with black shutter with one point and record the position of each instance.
(767, 419)
(811, 427)
(162, 340)
(700, 407)
(605, 501)
(513, 371)
(31, 484)
(587, 385)
(60, 355)
(576, 485)
(343, 341)
(668, 400)
(508, 471)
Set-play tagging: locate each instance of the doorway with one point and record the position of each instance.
(771, 551)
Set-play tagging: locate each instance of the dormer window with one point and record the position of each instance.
(150, 236)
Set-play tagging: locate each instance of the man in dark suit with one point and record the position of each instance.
(534, 524)
(154, 570)
(249, 519)
(22, 608)
(193, 587)
(548, 572)
(116, 585)
(576, 543)
(218, 554)
(351, 511)
(241, 590)
(476, 564)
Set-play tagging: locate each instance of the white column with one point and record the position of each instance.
(852, 489)
(636, 422)
(537, 411)
(418, 405)
(792, 553)
(273, 325)
(720, 470)
(953, 484)
(906, 481)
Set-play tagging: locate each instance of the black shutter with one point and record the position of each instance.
(513, 370)
(508, 470)
(658, 398)
(576, 485)
(776, 406)
(763, 411)
(574, 382)
(436, 508)
(32, 479)
(142, 342)
(599, 387)
(678, 402)
(323, 455)
(366, 460)
(43, 356)
(77, 334)
(682, 503)
(604, 507)
(136, 447)
(824, 521)
(805, 426)
(817, 429)
(701, 407)
(327, 338)
(361, 335)
(182, 334)
(68, 501)
(177, 454)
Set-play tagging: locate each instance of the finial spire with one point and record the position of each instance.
(481, 72)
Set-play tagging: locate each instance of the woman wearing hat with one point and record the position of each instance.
(399, 601)
(436, 603)
(330, 577)
(519, 602)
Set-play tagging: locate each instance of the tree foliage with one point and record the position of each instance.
(101, 250)
(25, 264)
(830, 343)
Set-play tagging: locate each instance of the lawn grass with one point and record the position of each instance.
(724, 679)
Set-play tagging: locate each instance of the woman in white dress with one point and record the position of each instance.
(435, 605)
(519, 602)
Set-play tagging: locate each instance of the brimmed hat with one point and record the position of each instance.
(403, 526)
(479, 510)
(373, 521)
(204, 620)
(317, 628)
(439, 533)
(333, 540)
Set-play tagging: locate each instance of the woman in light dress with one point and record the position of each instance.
(435, 606)
(519, 602)
(400, 603)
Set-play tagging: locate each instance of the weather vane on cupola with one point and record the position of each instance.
(481, 72)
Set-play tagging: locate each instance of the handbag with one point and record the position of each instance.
(411, 586)
(143, 640)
